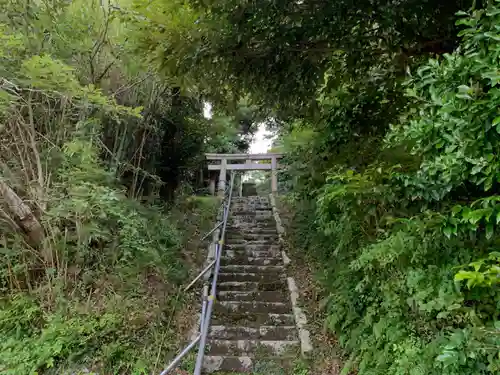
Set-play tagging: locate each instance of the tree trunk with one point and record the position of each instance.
(22, 215)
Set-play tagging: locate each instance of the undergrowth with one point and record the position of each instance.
(405, 239)
(90, 277)
(110, 299)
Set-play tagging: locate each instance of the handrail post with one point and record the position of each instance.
(204, 307)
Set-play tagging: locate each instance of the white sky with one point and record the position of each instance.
(207, 110)
(261, 143)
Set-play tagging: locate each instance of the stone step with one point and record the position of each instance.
(244, 259)
(251, 219)
(252, 240)
(266, 224)
(239, 268)
(251, 211)
(251, 208)
(252, 229)
(257, 198)
(249, 216)
(252, 347)
(250, 202)
(251, 236)
(238, 254)
(270, 224)
(247, 276)
(246, 202)
(243, 364)
(253, 319)
(252, 286)
(287, 333)
(239, 307)
(252, 246)
(253, 322)
(240, 242)
(264, 296)
(251, 198)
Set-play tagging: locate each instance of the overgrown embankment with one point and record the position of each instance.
(98, 285)
(96, 235)
(89, 276)
(403, 229)
(110, 298)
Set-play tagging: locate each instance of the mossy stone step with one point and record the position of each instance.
(251, 347)
(252, 286)
(253, 319)
(238, 307)
(273, 333)
(263, 296)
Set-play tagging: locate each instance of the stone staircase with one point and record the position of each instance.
(252, 319)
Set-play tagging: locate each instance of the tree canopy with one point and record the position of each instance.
(280, 50)
(386, 111)
(387, 115)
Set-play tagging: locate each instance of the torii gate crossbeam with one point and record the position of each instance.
(249, 165)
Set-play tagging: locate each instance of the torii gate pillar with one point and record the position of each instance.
(222, 178)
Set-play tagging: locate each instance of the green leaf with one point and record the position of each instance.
(476, 169)
(447, 357)
(464, 275)
(448, 231)
(475, 216)
(489, 231)
(477, 265)
(463, 88)
(493, 36)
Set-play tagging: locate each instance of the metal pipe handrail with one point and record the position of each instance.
(205, 270)
(208, 300)
(213, 230)
(213, 292)
(181, 355)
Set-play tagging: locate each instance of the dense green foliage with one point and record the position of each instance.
(408, 210)
(388, 115)
(89, 275)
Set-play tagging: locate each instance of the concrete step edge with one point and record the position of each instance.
(263, 296)
(263, 332)
(246, 347)
(239, 268)
(242, 364)
(255, 319)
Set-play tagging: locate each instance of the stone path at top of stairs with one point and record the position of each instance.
(252, 319)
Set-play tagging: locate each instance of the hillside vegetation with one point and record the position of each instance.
(99, 151)
(387, 113)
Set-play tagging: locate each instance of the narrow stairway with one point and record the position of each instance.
(253, 320)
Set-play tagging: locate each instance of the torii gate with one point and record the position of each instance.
(248, 165)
